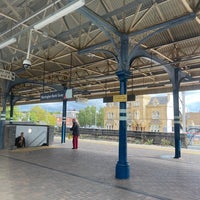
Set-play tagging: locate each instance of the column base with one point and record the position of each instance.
(122, 171)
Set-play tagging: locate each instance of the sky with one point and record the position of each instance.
(193, 97)
(71, 105)
(192, 100)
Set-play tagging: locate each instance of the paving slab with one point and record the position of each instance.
(60, 173)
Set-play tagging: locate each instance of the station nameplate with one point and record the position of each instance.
(120, 98)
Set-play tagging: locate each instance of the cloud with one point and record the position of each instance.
(71, 105)
(192, 97)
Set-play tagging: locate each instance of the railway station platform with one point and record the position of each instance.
(59, 172)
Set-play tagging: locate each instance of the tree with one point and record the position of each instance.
(51, 119)
(37, 114)
(100, 118)
(90, 117)
(86, 117)
(17, 115)
(82, 118)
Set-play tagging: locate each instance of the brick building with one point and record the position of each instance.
(70, 115)
(147, 113)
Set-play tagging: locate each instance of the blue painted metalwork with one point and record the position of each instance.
(122, 166)
(64, 121)
(102, 24)
(2, 122)
(176, 84)
(19, 81)
(124, 61)
(3, 112)
(168, 67)
(176, 76)
(99, 50)
(94, 47)
(164, 26)
(99, 21)
(11, 107)
(161, 27)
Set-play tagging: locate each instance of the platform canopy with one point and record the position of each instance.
(80, 48)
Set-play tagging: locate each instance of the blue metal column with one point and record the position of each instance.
(2, 123)
(11, 107)
(122, 166)
(2, 120)
(64, 120)
(177, 139)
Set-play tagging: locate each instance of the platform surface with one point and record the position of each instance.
(60, 173)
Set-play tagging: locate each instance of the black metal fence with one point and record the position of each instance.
(158, 138)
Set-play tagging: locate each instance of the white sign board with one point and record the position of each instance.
(68, 94)
(5, 74)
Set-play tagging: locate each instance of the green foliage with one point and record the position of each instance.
(81, 118)
(36, 114)
(90, 117)
(137, 141)
(165, 142)
(39, 115)
(100, 118)
(149, 141)
(51, 119)
(17, 115)
(86, 117)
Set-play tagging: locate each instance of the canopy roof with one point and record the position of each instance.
(81, 50)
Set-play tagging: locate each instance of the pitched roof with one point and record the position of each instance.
(160, 100)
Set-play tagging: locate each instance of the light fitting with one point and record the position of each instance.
(61, 13)
(7, 43)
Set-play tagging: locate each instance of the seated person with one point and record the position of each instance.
(20, 141)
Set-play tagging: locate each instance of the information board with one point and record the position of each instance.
(5, 74)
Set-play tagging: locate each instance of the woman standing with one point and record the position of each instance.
(75, 133)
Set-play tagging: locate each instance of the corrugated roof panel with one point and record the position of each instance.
(172, 9)
(190, 28)
(77, 34)
(161, 38)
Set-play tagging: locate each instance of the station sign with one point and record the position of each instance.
(119, 98)
(58, 95)
(52, 96)
(8, 75)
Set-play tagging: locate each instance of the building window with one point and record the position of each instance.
(110, 115)
(136, 103)
(129, 127)
(155, 115)
(136, 115)
(154, 128)
(128, 104)
(129, 116)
